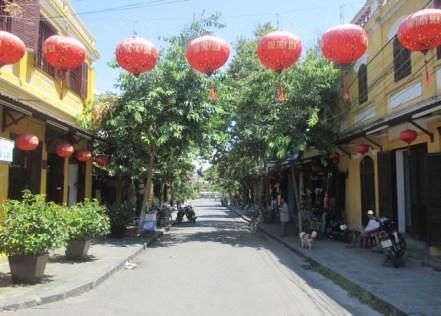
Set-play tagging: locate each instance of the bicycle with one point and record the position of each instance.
(254, 223)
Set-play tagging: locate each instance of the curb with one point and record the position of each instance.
(387, 308)
(35, 300)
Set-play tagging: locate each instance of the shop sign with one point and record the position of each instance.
(6, 148)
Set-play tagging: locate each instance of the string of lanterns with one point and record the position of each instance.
(343, 45)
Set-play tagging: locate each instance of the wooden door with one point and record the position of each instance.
(367, 181)
(387, 184)
(434, 199)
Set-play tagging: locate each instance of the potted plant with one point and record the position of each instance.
(29, 229)
(120, 217)
(85, 221)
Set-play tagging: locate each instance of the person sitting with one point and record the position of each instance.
(364, 232)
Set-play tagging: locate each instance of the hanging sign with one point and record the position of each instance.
(6, 149)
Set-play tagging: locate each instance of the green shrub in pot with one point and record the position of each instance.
(120, 217)
(85, 221)
(29, 229)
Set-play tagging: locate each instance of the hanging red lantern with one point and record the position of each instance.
(63, 53)
(12, 48)
(83, 155)
(136, 55)
(277, 51)
(335, 157)
(421, 31)
(26, 142)
(362, 149)
(64, 150)
(207, 54)
(102, 160)
(343, 45)
(408, 136)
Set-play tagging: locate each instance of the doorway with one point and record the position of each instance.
(55, 178)
(367, 182)
(72, 187)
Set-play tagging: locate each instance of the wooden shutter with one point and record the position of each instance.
(402, 61)
(386, 184)
(45, 31)
(362, 84)
(27, 26)
(84, 80)
(434, 199)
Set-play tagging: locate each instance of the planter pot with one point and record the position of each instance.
(118, 231)
(132, 231)
(28, 268)
(77, 249)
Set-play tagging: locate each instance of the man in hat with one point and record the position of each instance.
(372, 226)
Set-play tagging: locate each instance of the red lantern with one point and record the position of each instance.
(83, 155)
(26, 142)
(408, 136)
(421, 31)
(277, 51)
(102, 160)
(344, 45)
(12, 48)
(362, 149)
(207, 54)
(63, 53)
(136, 55)
(64, 150)
(335, 157)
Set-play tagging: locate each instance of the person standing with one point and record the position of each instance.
(284, 216)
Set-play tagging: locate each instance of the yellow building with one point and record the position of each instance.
(30, 103)
(389, 95)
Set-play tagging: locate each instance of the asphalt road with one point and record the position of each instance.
(213, 267)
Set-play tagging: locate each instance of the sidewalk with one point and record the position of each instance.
(64, 278)
(412, 288)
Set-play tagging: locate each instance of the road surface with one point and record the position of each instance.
(214, 267)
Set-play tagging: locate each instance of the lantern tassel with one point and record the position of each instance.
(427, 79)
(345, 88)
(212, 94)
(281, 94)
(62, 83)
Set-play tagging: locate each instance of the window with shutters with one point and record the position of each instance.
(77, 80)
(402, 61)
(362, 84)
(5, 20)
(46, 31)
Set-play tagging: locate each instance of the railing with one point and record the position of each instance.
(5, 20)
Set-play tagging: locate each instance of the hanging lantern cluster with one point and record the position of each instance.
(334, 157)
(362, 149)
(27, 142)
(277, 51)
(408, 136)
(64, 53)
(12, 48)
(136, 55)
(206, 54)
(344, 45)
(421, 32)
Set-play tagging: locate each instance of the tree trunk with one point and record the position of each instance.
(147, 196)
(297, 197)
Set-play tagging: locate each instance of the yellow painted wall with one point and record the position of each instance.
(379, 27)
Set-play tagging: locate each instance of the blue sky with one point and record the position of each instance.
(307, 19)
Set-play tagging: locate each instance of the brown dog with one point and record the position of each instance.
(307, 239)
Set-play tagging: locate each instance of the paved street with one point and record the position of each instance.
(213, 267)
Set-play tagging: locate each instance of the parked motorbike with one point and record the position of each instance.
(224, 201)
(392, 242)
(190, 214)
(164, 216)
(180, 215)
